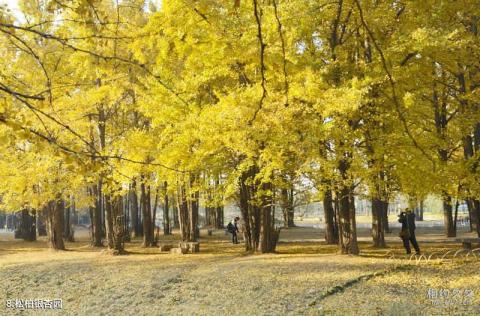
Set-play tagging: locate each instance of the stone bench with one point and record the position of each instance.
(467, 242)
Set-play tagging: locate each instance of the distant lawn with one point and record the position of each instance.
(368, 218)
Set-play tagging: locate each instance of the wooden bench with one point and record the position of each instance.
(467, 242)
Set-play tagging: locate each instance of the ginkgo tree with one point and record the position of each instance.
(124, 105)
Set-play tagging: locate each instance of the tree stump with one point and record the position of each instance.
(179, 251)
(190, 247)
(194, 247)
(165, 247)
(184, 245)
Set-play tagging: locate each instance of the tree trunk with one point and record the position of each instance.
(114, 223)
(3, 220)
(448, 215)
(26, 228)
(183, 213)
(386, 226)
(126, 215)
(90, 213)
(353, 220)
(118, 222)
(193, 219)
(41, 222)
(214, 217)
(441, 123)
(209, 216)
(455, 217)
(166, 215)
(265, 244)
(213, 214)
(109, 222)
(245, 210)
(476, 204)
(471, 213)
(347, 230)
(378, 234)
(471, 147)
(476, 137)
(193, 216)
(175, 212)
(331, 229)
(148, 234)
(419, 215)
(219, 210)
(10, 219)
(68, 230)
(260, 233)
(55, 212)
(287, 207)
(474, 215)
(154, 217)
(96, 218)
(336, 209)
(219, 213)
(135, 211)
(268, 233)
(251, 209)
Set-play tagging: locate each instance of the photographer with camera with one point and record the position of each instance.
(407, 233)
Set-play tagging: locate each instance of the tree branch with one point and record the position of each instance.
(64, 42)
(6, 89)
(284, 55)
(262, 60)
(392, 85)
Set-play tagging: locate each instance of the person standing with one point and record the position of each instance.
(407, 219)
(232, 228)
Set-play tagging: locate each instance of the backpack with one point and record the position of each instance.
(230, 227)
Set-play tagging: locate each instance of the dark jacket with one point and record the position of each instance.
(232, 228)
(408, 222)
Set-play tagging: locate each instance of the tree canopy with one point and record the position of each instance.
(357, 97)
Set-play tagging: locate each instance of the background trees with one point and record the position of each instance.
(125, 106)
